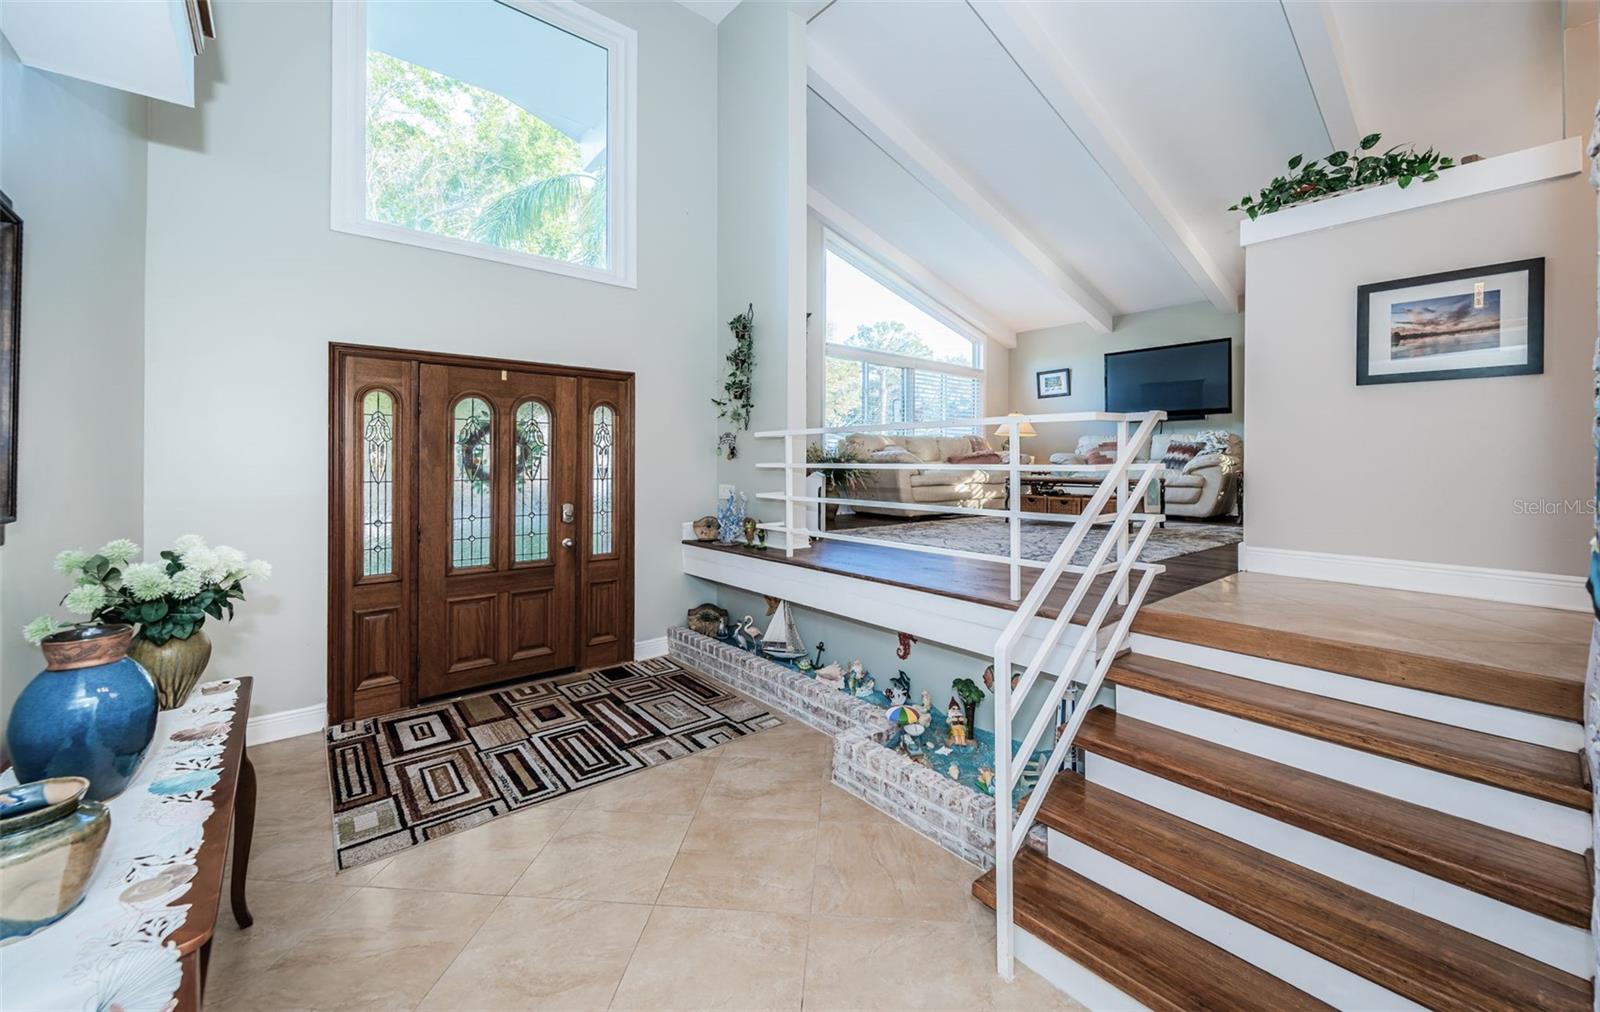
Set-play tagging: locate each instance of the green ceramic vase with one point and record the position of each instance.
(176, 665)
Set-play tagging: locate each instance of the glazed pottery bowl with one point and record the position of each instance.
(50, 841)
(91, 713)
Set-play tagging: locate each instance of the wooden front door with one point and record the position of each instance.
(497, 483)
(480, 526)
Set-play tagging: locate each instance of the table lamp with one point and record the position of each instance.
(1024, 430)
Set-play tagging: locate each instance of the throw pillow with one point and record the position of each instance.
(977, 458)
(1179, 453)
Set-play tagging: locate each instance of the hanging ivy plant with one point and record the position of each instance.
(738, 403)
(1345, 170)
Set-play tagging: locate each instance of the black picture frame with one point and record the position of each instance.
(10, 356)
(1038, 382)
(1534, 365)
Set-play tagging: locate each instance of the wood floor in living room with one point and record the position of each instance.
(736, 878)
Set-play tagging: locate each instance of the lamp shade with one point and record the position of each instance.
(1025, 429)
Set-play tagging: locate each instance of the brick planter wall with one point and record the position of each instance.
(953, 815)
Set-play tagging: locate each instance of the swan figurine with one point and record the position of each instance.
(747, 635)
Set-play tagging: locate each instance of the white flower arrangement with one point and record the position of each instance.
(169, 599)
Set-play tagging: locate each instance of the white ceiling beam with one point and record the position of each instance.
(1018, 30)
(858, 233)
(1322, 55)
(879, 122)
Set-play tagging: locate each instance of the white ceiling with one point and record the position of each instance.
(857, 175)
(1057, 162)
(712, 10)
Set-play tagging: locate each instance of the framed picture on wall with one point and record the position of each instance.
(1482, 321)
(10, 369)
(1053, 382)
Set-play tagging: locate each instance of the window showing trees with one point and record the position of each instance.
(488, 128)
(890, 360)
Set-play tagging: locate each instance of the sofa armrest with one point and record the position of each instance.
(1205, 460)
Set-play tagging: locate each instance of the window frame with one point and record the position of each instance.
(855, 256)
(348, 163)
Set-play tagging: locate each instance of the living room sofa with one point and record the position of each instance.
(984, 485)
(1204, 470)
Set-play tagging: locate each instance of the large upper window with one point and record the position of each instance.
(500, 129)
(890, 359)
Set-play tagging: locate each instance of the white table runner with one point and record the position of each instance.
(111, 951)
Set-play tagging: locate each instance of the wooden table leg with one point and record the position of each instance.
(244, 828)
(189, 997)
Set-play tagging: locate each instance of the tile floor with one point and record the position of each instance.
(738, 878)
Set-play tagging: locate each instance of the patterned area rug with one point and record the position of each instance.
(436, 769)
(1041, 538)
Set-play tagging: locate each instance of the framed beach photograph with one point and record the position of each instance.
(1053, 382)
(1482, 321)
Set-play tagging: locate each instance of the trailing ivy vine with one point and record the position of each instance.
(1345, 170)
(737, 404)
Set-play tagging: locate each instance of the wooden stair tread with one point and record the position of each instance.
(1524, 873)
(1150, 959)
(1533, 691)
(1427, 961)
(1540, 772)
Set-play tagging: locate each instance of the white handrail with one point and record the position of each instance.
(1011, 828)
(1128, 479)
(997, 421)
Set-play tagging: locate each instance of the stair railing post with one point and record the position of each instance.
(1122, 497)
(1014, 504)
(790, 509)
(1004, 932)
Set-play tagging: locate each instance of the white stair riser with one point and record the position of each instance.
(1520, 725)
(1081, 984)
(1557, 825)
(1310, 973)
(1561, 945)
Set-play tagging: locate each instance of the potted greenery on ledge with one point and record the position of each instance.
(838, 482)
(1342, 171)
(168, 600)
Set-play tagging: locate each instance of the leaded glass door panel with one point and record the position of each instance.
(498, 590)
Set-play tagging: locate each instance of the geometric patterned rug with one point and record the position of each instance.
(419, 774)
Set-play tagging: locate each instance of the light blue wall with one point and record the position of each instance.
(72, 160)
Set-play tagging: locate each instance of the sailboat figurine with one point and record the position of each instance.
(782, 639)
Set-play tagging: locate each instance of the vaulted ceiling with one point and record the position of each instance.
(1065, 162)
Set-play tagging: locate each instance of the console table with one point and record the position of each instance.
(235, 812)
(146, 921)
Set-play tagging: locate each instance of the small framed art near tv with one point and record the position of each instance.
(1482, 321)
(10, 367)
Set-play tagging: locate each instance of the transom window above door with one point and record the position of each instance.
(500, 129)
(892, 354)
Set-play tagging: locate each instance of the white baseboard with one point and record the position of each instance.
(286, 724)
(645, 649)
(1514, 586)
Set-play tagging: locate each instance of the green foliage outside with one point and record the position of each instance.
(455, 160)
(850, 383)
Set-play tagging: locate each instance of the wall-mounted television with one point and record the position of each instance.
(1184, 380)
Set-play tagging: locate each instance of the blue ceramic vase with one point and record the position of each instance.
(91, 713)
